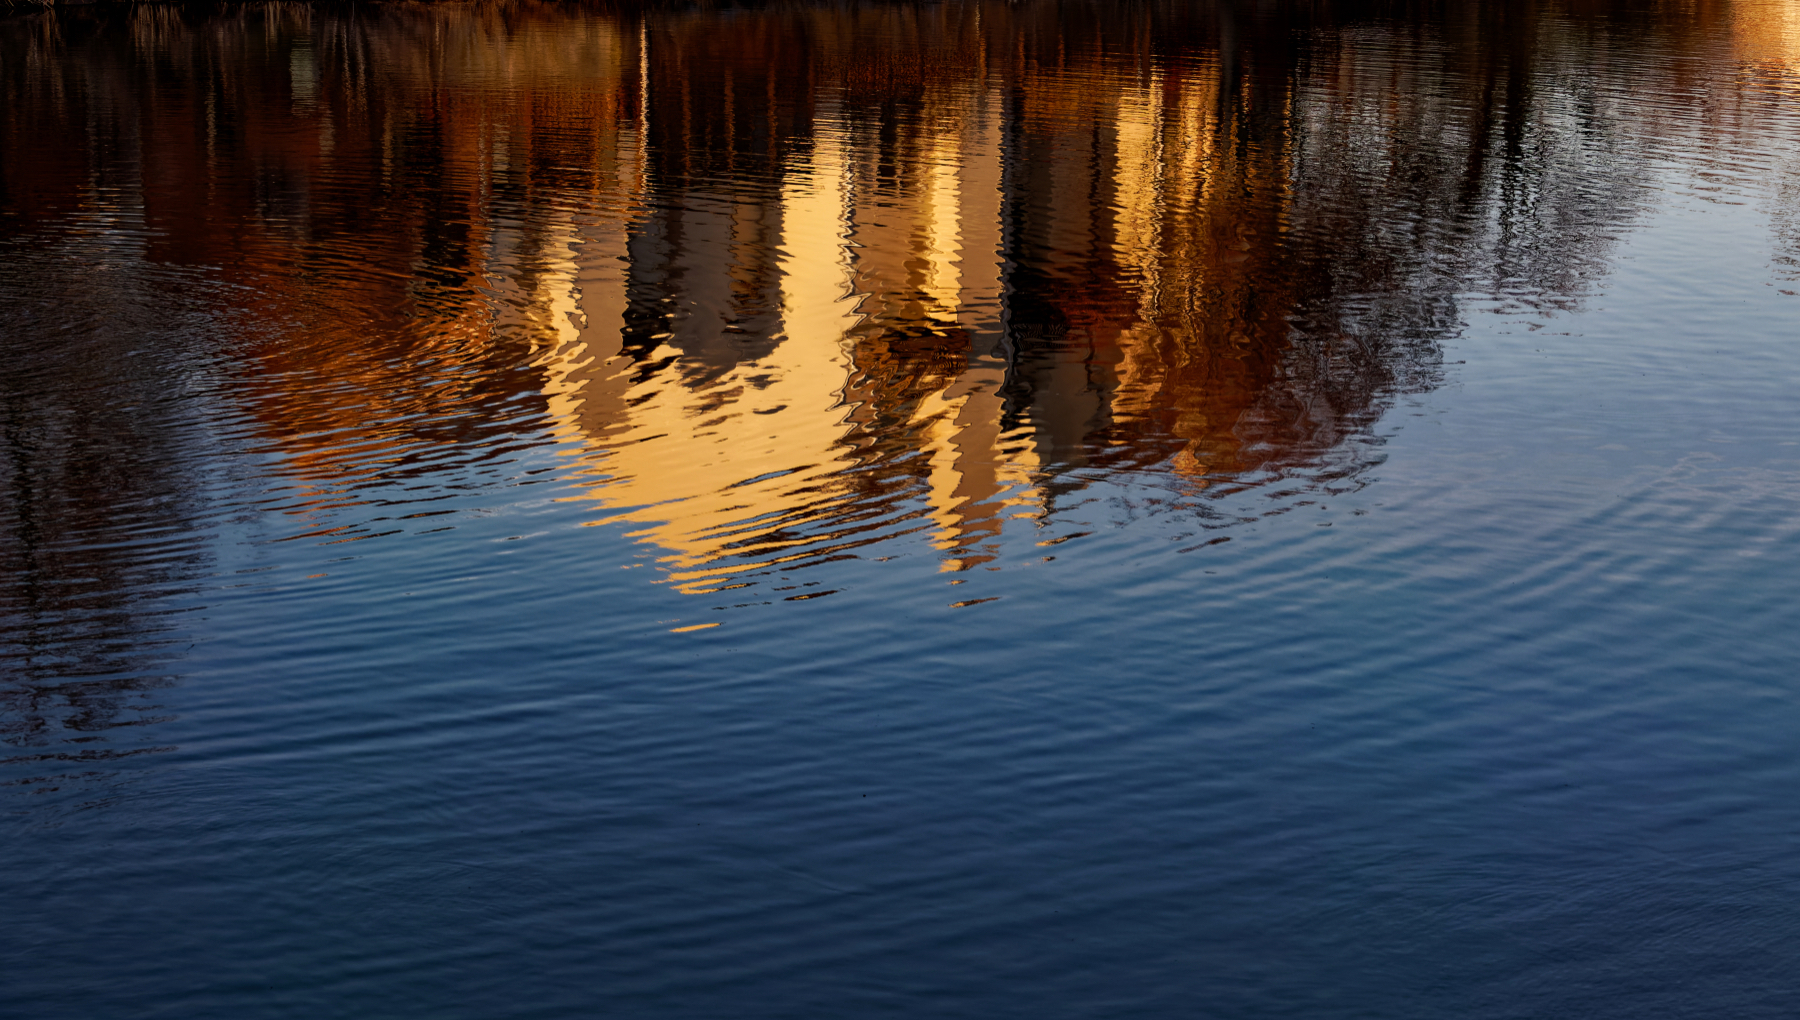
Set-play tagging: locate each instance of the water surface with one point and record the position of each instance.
(971, 509)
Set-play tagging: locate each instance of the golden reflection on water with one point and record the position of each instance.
(865, 291)
(840, 314)
(1768, 32)
(837, 274)
(773, 293)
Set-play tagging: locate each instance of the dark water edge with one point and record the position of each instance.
(1003, 509)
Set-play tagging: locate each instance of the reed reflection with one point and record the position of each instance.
(787, 281)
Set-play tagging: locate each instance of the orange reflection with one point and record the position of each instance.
(1767, 32)
(835, 275)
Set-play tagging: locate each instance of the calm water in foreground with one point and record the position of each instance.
(976, 509)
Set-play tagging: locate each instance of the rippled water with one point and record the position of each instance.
(972, 509)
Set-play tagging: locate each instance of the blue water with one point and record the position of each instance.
(1383, 609)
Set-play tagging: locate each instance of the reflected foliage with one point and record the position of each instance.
(787, 279)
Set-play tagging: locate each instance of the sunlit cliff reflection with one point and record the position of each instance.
(840, 340)
(839, 273)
